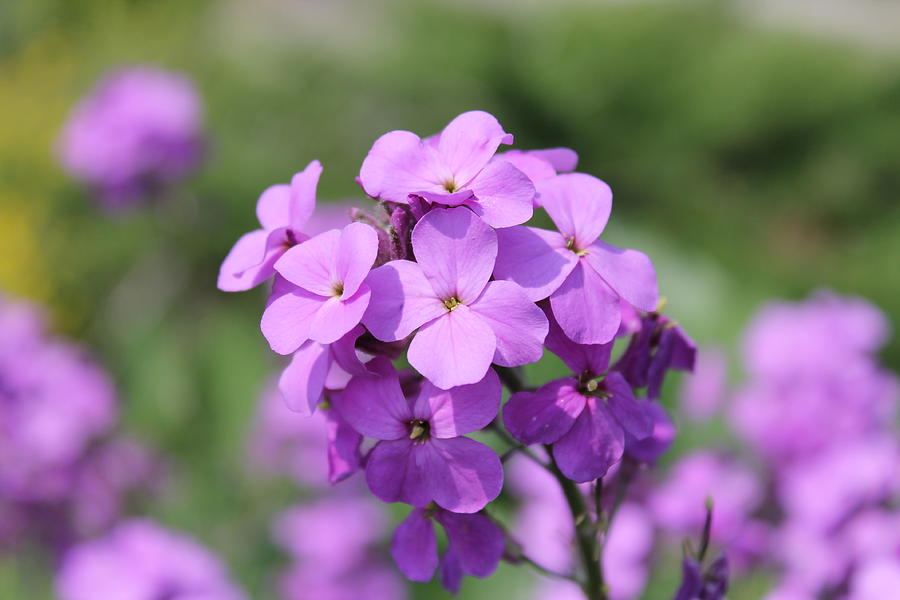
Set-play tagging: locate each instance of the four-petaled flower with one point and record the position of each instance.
(465, 322)
(453, 168)
(584, 277)
(423, 456)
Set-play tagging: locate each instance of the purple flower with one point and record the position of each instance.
(284, 212)
(140, 560)
(474, 546)
(140, 129)
(464, 321)
(328, 297)
(627, 551)
(423, 455)
(584, 417)
(583, 276)
(699, 585)
(703, 393)
(452, 169)
(539, 165)
(658, 346)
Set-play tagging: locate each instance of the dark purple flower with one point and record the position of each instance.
(699, 585)
(656, 444)
(658, 346)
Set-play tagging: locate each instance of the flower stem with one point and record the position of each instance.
(585, 535)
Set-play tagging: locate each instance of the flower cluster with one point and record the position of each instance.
(139, 131)
(444, 276)
(63, 472)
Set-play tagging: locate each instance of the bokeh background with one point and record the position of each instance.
(753, 148)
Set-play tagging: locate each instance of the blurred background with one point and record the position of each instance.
(753, 149)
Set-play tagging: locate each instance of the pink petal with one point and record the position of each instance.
(414, 547)
(592, 359)
(504, 196)
(629, 272)
(592, 446)
(468, 142)
(586, 308)
(397, 471)
(303, 194)
(631, 414)
(546, 415)
(536, 259)
(374, 406)
(477, 541)
(286, 321)
(534, 167)
(518, 324)
(251, 260)
(463, 475)
(456, 251)
(337, 316)
(303, 380)
(579, 204)
(563, 160)
(311, 265)
(454, 199)
(356, 254)
(459, 410)
(402, 300)
(274, 206)
(400, 164)
(454, 349)
(343, 447)
(344, 352)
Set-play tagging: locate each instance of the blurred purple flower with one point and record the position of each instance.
(704, 392)
(139, 130)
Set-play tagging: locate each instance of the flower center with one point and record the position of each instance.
(452, 302)
(570, 245)
(419, 430)
(450, 186)
(337, 289)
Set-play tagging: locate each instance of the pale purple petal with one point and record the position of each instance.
(311, 265)
(631, 414)
(518, 324)
(544, 416)
(463, 475)
(402, 300)
(303, 194)
(358, 248)
(563, 160)
(343, 447)
(454, 199)
(579, 204)
(536, 259)
(629, 272)
(468, 142)
(477, 541)
(337, 316)
(286, 320)
(400, 164)
(274, 206)
(251, 261)
(303, 380)
(590, 359)
(456, 251)
(374, 406)
(459, 410)
(414, 547)
(592, 446)
(455, 349)
(586, 308)
(504, 195)
(398, 471)
(534, 167)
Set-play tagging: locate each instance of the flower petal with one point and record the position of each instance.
(344, 352)
(374, 406)
(518, 324)
(456, 251)
(592, 446)
(586, 308)
(402, 300)
(459, 410)
(536, 259)
(579, 204)
(504, 195)
(251, 260)
(563, 160)
(414, 547)
(343, 447)
(477, 541)
(463, 475)
(630, 413)
(629, 272)
(286, 320)
(657, 443)
(454, 349)
(303, 380)
(544, 416)
(311, 265)
(591, 359)
(400, 164)
(356, 254)
(454, 199)
(303, 194)
(468, 142)
(337, 316)
(273, 209)
(397, 471)
(451, 572)
(534, 167)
